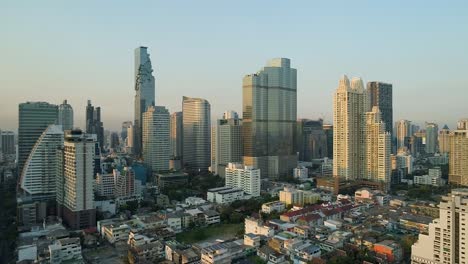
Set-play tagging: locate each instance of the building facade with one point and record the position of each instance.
(381, 95)
(244, 177)
(311, 140)
(269, 119)
(156, 136)
(176, 135)
(403, 133)
(144, 93)
(7, 142)
(196, 133)
(65, 115)
(458, 157)
(444, 140)
(226, 142)
(432, 144)
(94, 124)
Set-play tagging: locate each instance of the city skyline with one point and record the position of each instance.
(417, 69)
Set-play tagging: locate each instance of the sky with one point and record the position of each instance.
(80, 50)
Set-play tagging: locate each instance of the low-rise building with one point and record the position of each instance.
(257, 227)
(275, 206)
(66, 250)
(301, 172)
(144, 249)
(116, 233)
(225, 195)
(211, 217)
(171, 179)
(389, 250)
(298, 197)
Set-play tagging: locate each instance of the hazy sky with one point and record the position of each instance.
(79, 50)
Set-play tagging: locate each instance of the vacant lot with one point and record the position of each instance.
(220, 231)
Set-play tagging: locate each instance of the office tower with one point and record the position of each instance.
(269, 108)
(403, 133)
(378, 149)
(114, 140)
(176, 135)
(246, 178)
(458, 156)
(94, 124)
(311, 139)
(75, 197)
(226, 142)
(145, 93)
(432, 130)
(444, 140)
(124, 182)
(34, 118)
(416, 144)
(37, 180)
(196, 133)
(156, 134)
(349, 105)
(328, 129)
(129, 141)
(447, 240)
(125, 126)
(65, 116)
(380, 95)
(7, 142)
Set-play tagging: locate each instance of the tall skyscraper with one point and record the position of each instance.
(444, 140)
(349, 106)
(328, 129)
(124, 132)
(269, 108)
(381, 95)
(94, 124)
(176, 135)
(226, 142)
(403, 133)
(7, 142)
(378, 149)
(145, 93)
(462, 124)
(75, 196)
(65, 115)
(39, 175)
(246, 178)
(432, 131)
(124, 182)
(458, 156)
(197, 136)
(156, 134)
(447, 238)
(311, 139)
(34, 118)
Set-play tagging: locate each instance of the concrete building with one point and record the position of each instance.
(197, 135)
(301, 172)
(65, 115)
(290, 196)
(432, 131)
(125, 126)
(434, 178)
(458, 157)
(156, 136)
(444, 140)
(39, 175)
(176, 135)
(75, 196)
(275, 206)
(94, 124)
(66, 250)
(349, 105)
(7, 142)
(390, 250)
(381, 95)
(447, 237)
(124, 182)
(328, 129)
(378, 149)
(311, 140)
(171, 179)
(257, 227)
(403, 133)
(269, 119)
(105, 184)
(226, 142)
(144, 94)
(246, 178)
(225, 195)
(34, 118)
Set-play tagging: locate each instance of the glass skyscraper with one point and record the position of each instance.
(269, 119)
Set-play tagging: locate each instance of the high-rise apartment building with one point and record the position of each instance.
(176, 135)
(458, 156)
(34, 118)
(124, 182)
(124, 132)
(65, 115)
(432, 131)
(403, 133)
(447, 240)
(75, 196)
(311, 139)
(349, 106)
(378, 166)
(196, 133)
(226, 142)
(156, 134)
(269, 119)
(7, 142)
(39, 175)
(444, 140)
(244, 177)
(381, 95)
(145, 93)
(328, 129)
(94, 124)
(462, 124)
